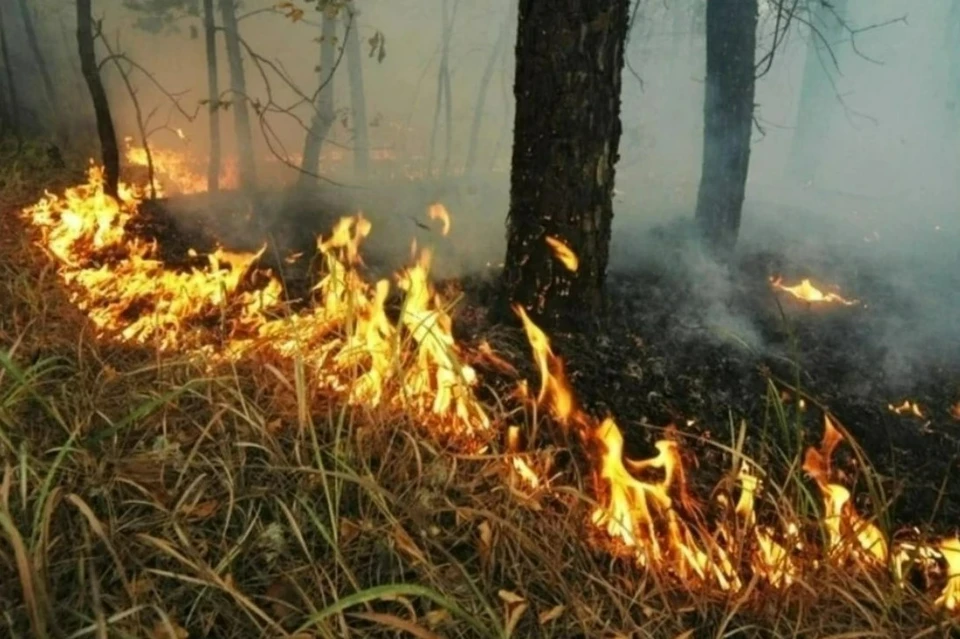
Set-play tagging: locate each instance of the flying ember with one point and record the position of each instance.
(564, 253)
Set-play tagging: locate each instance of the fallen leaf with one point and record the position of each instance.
(406, 544)
(510, 597)
(200, 510)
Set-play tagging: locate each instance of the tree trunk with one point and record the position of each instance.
(324, 117)
(728, 119)
(566, 137)
(485, 79)
(238, 87)
(101, 107)
(41, 62)
(11, 80)
(358, 99)
(213, 89)
(817, 93)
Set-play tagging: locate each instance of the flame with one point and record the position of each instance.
(175, 170)
(807, 292)
(520, 465)
(950, 597)
(907, 407)
(564, 253)
(848, 534)
(439, 212)
(553, 380)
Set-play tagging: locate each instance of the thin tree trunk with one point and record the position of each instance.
(323, 119)
(443, 87)
(101, 106)
(566, 137)
(11, 80)
(358, 99)
(817, 93)
(728, 119)
(485, 79)
(238, 88)
(41, 62)
(213, 90)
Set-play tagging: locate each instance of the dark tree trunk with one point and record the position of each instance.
(485, 79)
(41, 62)
(566, 138)
(728, 119)
(213, 90)
(817, 94)
(101, 107)
(11, 80)
(238, 87)
(358, 99)
(324, 117)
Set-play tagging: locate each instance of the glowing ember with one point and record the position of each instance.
(563, 253)
(955, 411)
(807, 292)
(440, 212)
(907, 408)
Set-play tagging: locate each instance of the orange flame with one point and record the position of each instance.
(807, 292)
(564, 253)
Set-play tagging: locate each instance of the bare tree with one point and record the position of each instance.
(728, 119)
(101, 106)
(484, 87)
(213, 90)
(11, 80)
(325, 115)
(358, 99)
(566, 138)
(41, 63)
(238, 88)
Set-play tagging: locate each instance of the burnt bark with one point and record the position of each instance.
(213, 90)
(728, 120)
(109, 150)
(566, 136)
(41, 62)
(14, 111)
(358, 98)
(238, 87)
(324, 118)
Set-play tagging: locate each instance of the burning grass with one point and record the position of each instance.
(333, 472)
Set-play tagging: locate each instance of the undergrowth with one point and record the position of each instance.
(143, 496)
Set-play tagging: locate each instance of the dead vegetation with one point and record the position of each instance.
(149, 494)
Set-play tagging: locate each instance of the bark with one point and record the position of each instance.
(41, 63)
(324, 117)
(11, 80)
(817, 94)
(728, 119)
(569, 58)
(484, 88)
(213, 90)
(101, 107)
(358, 99)
(238, 87)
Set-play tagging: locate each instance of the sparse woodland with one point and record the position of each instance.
(586, 318)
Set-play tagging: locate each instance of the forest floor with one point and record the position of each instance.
(144, 496)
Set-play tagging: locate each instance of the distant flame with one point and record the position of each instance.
(440, 212)
(807, 292)
(564, 253)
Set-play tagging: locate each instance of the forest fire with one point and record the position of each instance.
(644, 507)
(807, 292)
(564, 253)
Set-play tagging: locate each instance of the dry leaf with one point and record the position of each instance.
(486, 540)
(549, 615)
(406, 544)
(349, 530)
(510, 597)
(200, 510)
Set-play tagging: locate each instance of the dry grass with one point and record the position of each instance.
(147, 497)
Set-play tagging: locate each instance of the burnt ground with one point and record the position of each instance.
(686, 340)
